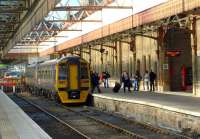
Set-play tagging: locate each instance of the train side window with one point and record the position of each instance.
(83, 71)
(62, 71)
(49, 74)
(46, 74)
(42, 74)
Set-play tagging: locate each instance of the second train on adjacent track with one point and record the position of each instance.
(66, 79)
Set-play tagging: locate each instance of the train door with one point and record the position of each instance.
(73, 75)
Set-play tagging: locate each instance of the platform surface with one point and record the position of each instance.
(15, 124)
(184, 103)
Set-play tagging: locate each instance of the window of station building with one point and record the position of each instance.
(41, 77)
(47, 74)
(131, 65)
(39, 74)
(83, 71)
(155, 67)
(138, 65)
(134, 62)
(62, 71)
(144, 64)
(50, 75)
(149, 63)
(42, 74)
(53, 74)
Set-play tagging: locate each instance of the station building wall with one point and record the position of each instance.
(123, 59)
(144, 57)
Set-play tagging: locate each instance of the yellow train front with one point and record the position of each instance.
(72, 80)
(66, 79)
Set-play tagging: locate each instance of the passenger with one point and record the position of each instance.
(137, 80)
(146, 81)
(152, 77)
(126, 81)
(134, 82)
(106, 76)
(95, 82)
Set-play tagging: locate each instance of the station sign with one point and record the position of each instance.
(173, 53)
(165, 66)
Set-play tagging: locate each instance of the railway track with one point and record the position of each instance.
(54, 126)
(103, 125)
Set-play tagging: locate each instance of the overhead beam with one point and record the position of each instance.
(131, 23)
(74, 21)
(109, 46)
(12, 55)
(17, 10)
(89, 8)
(147, 36)
(59, 36)
(13, 0)
(7, 31)
(30, 45)
(34, 41)
(39, 9)
(40, 30)
(26, 48)
(9, 22)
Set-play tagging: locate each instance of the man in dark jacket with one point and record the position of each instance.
(95, 82)
(126, 81)
(106, 76)
(152, 78)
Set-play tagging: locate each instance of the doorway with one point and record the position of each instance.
(179, 54)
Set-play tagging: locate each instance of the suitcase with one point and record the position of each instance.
(116, 87)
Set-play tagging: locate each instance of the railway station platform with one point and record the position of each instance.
(15, 124)
(171, 111)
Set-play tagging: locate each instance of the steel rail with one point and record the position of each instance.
(136, 136)
(124, 131)
(53, 116)
(127, 132)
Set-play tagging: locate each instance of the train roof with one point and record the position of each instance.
(68, 58)
(49, 62)
(54, 61)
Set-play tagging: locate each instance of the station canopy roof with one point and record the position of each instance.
(58, 20)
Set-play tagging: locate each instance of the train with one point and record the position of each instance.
(67, 79)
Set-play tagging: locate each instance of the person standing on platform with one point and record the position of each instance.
(152, 78)
(95, 82)
(126, 81)
(137, 80)
(106, 76)
(146, 81)
(132, 80)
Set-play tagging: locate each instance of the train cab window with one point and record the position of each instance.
(83, 71)
(62, 71)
